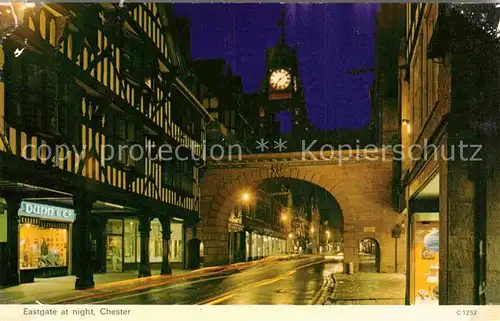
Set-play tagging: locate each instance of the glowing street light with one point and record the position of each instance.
(328, 234)
(245, 197)
(283, 217)
(312, 229)
(290, 235)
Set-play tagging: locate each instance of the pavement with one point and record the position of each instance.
(368, 289)
(296, 280)
(46, 289)
(61, 290)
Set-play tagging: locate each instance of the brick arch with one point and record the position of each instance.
(361, 188)
(243, 182)
(226, 191)
(378, 256)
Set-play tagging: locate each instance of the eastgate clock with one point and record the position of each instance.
(280, 79)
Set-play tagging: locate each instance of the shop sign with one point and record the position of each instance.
(369, 229)
(47, 212)
(3, 221)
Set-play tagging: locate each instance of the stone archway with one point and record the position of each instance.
(361, 188)
(369, 255)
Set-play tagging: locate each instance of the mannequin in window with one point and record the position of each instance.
(115, 255)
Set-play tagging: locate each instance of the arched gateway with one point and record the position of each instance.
(361, 182)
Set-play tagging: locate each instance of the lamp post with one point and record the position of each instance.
(313, 240)
(242, 254)
(396, 233)
(327, 240)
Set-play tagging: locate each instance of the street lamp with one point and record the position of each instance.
(245, 197)
(290, 236)
(283, 217)
(312, 229)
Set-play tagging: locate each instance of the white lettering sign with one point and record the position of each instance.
(47, 212)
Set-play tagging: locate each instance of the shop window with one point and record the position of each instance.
(138, 244)
(425, 259)
(155, 242)
(114, 245)
(43, 246)
(114, 227)
(130, 244)
(176, 244)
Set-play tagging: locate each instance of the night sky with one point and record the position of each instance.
(331, 39)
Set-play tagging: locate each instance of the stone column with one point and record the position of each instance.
(351, 250)
(243, 247)
(229, 248)
(144, 230)
(101, 246)
(82, 203)
(492, 243)
(12, 264)
(457, 253)
(166, 269)
(250, 247)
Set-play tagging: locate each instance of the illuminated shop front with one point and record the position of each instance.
(259, 246)
(44, 240)
(424, 256)
(123, 244)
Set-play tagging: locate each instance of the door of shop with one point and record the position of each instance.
(114, 246)
(114, 261)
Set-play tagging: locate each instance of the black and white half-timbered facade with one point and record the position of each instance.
(101, 142)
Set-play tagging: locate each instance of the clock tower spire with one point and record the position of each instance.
(281, 23)
(282, 90)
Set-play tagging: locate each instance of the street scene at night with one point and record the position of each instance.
(249, 154)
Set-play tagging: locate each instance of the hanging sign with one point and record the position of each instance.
(47, 212)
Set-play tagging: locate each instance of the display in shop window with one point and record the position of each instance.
(42, 247)
(431, 240)
(114, 253)
(427, 263)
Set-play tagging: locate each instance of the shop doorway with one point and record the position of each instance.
(114, 261)
(369, 256)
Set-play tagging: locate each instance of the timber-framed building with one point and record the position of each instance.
(85, 109)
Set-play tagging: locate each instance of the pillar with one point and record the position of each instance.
(101, 246)
(230, 247)
(10, 261)
(243, 246)
(250, 247)
(166, 269)
(82, 203)
(457, 250)
(351, 250)
(144, 230)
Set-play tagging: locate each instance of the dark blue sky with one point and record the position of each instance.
(331, 39)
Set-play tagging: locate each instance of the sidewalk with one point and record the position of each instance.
(62, 289)
(368, 289)
(44, 288)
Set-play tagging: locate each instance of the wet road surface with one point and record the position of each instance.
(287, 282)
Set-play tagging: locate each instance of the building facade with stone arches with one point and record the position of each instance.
(360, 184)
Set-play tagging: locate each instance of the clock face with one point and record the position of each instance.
(280, 79)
